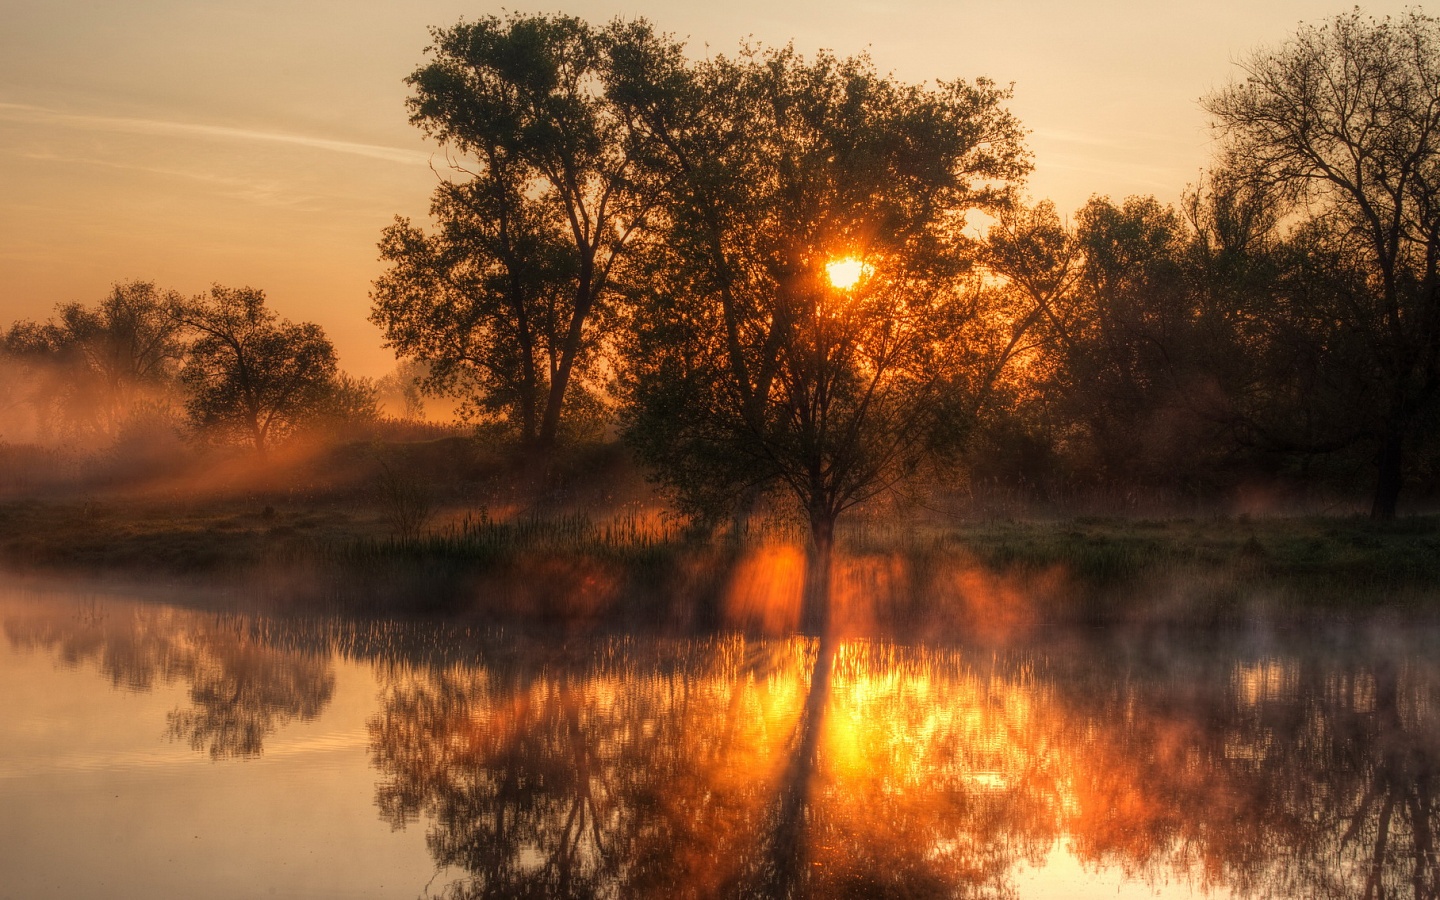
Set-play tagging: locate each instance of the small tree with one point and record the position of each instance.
(253, 377)
(87, 368)
(130, 340)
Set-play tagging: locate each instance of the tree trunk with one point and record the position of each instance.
(529, 421)
(257, 435)
(585, 294)
(815, 604)
(1390, 475)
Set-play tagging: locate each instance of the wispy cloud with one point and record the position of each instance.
(24, 112)
(263, 191)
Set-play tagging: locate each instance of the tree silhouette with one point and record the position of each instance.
(748, 365)
(507, 299)
(91, 369)
(253, 376)
(1343, 123)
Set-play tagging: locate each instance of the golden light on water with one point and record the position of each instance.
(785, 766)
(846, 273)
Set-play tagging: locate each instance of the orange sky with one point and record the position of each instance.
(265, 143)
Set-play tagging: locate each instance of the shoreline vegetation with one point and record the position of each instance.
(598, 550)
(752, 277)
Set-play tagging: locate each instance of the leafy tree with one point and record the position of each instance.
(253, 376)
(1131, 362)
(131, 339)
(37, 381)
(1026, 299)
(352, 402)
(402, 388)
(750, 365)
(505, 300)
(1342, 123)
(87, 368)
(1146, 344)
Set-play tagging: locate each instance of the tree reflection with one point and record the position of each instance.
(1304, 775)
(642, 773)
(786, 769)
(1393, 824)
(736, 767)
(242, 688)
(739, 768)
(241, 693)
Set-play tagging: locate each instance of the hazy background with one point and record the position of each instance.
(266, 143)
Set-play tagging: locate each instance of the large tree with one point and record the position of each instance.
(1343, 123)
(505, 298)
(799, 323)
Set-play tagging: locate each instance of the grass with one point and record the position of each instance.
(482, 541)
(1330, 554)
(568, 564)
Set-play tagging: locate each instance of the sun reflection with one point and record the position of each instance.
(849, 767)
(730, 765)
(846, 273)
(765, 588)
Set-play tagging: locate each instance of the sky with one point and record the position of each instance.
(266, 143)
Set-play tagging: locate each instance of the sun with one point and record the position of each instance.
(846, 273)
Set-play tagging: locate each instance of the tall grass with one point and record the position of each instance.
(482, 541)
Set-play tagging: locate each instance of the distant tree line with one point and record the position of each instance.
(222, 366)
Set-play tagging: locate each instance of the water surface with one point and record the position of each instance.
(152, 750)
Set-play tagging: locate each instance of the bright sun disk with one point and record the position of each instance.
(846, 273)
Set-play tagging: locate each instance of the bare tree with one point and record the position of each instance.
(1343, 123)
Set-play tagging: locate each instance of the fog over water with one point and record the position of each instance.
(155, 750)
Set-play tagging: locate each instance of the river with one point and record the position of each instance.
(151, 747)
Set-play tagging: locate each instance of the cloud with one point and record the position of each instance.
(27, 113)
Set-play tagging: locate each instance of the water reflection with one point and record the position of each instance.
(743, 768)
(732, 766)
(641, 767)
(242, 688)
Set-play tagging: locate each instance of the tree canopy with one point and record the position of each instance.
(1342, 124)
(506, 300)
(88, 367)
(253, 376)
(751, 364)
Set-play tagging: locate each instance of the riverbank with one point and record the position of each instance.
(638, 567)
